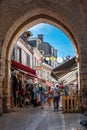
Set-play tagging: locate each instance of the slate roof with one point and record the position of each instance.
(32, 43)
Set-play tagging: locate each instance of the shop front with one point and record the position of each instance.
(25, 77)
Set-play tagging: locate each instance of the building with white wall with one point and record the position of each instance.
(43, 70)
(22, 53)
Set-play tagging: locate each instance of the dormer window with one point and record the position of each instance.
(42, 52)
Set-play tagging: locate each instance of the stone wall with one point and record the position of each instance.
(18, 15)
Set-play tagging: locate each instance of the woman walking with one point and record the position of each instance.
(42, 97)
(49, 96)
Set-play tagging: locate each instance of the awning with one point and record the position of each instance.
(31, 72)
(48, 84)
(32, 75)
(64, 68)
(61, 86)
(42, 80)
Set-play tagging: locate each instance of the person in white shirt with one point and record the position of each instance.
(56, 96)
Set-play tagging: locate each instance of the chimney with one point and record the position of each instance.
(27, 35)
(40, 36)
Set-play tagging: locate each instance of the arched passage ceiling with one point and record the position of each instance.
(18, 15)
(38, 19)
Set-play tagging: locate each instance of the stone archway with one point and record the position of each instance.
(36, 19)
(17, 26)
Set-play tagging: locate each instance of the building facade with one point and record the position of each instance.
(49, 52)
(43, 69)
(22, 53)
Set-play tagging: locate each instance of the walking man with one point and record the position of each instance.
(56, 97)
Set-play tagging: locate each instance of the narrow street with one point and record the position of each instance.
(31, 118)
(43, 47)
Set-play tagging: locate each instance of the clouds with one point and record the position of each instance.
(41, 26)
(37, 27)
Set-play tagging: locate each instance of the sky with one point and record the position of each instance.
(55, 37)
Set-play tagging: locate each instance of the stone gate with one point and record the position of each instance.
(18, 15)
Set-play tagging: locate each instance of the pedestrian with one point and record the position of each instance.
(66, 90)
(56, 96)
(21, 93)
(49, 96)
(42, 97)
(35, 96)
(14, 84)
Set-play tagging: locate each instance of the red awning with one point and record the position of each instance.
(32, 75)
(30, 71)
(42, 80)
(61, 86)
(48, 84)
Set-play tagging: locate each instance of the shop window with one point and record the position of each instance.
(42, 52)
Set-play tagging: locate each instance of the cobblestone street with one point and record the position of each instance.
(41, 119)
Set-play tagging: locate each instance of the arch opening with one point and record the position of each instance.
(41, 18)
(9, 44)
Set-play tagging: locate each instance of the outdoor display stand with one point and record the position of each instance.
(70, 103)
